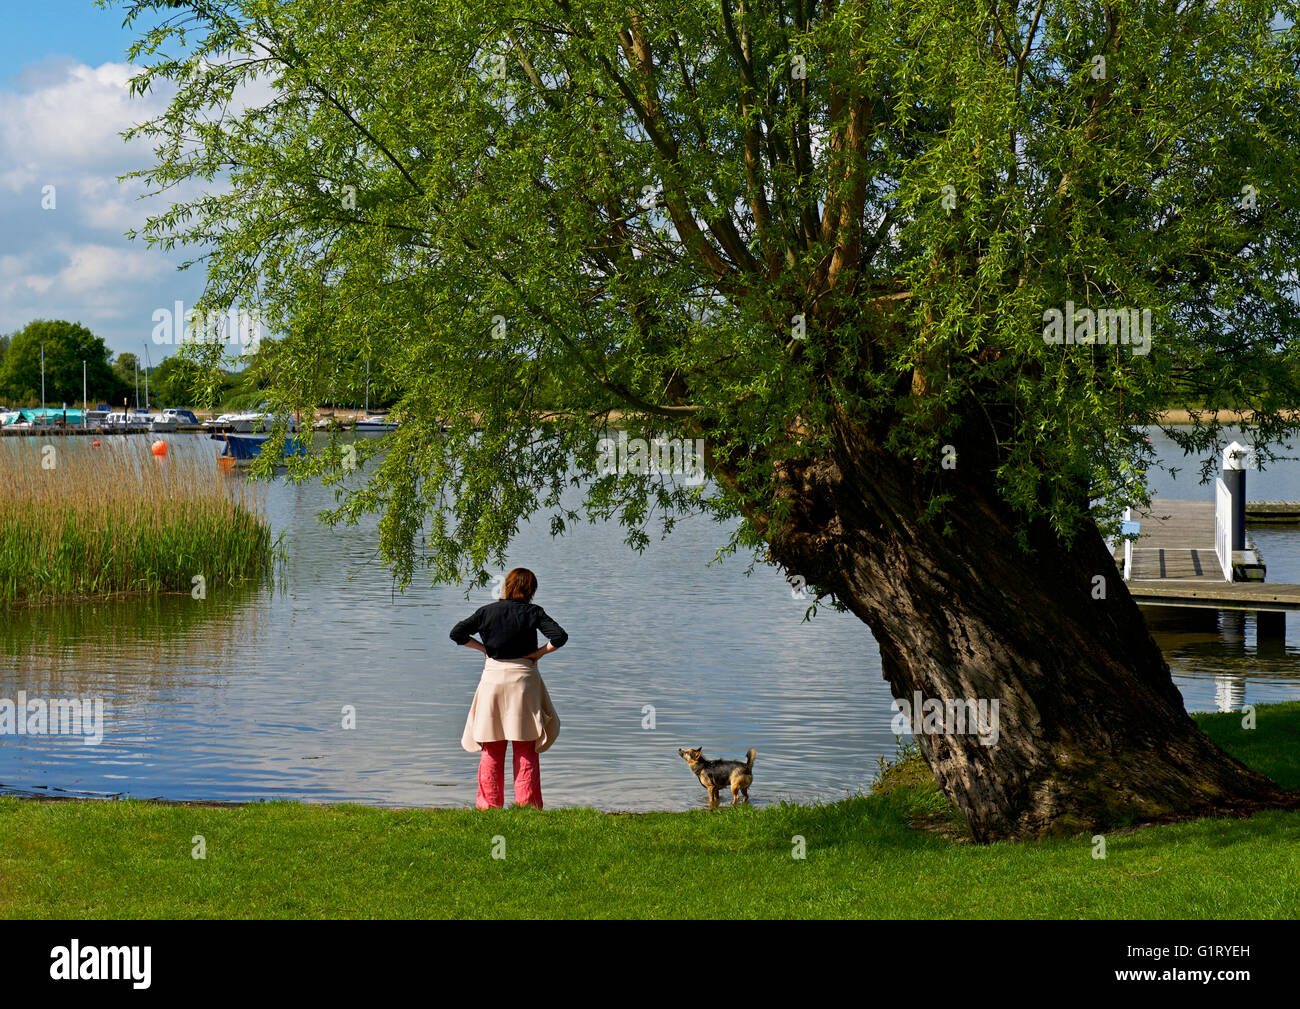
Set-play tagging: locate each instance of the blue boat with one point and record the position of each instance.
(242, 449)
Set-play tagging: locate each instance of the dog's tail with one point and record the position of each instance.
(749, 761)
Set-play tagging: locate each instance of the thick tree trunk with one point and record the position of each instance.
(1091, 731)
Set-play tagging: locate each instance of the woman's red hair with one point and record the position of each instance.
(521, 584)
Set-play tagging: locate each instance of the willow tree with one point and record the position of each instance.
(875, 256)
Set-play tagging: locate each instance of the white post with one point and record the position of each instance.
(1237, 458)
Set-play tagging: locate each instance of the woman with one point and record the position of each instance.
(511, 703)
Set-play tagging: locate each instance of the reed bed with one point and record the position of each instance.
(86, 521)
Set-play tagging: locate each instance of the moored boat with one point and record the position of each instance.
(253, 421)
(376, 423)
(242, 449)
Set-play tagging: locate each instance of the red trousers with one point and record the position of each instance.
(491, 775)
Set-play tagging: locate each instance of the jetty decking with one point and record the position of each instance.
(1273, 511)
(1254, 596)
(1176, 542)
(1174, 563)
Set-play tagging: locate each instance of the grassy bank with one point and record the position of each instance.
(865, 857)
(95, 521)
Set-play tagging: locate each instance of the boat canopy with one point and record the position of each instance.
(244, 447)
(50, 415)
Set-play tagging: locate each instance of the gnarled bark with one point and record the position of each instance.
(1092, 732)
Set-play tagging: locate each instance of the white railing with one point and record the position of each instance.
(1223, 527)
(1128, 544)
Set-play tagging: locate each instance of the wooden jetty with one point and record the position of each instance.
(1273, 511)
(71, 431)
(1176, 542)
(59, 431)
(1254, 596)
(1178, 560)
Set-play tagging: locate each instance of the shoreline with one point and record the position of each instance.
(904, 772)
(1183, 416)
(866, 856)
(345, 416)
(349, 804)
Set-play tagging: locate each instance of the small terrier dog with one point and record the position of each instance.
(715, 774)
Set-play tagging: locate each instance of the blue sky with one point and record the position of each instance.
(63, 103)
(74, 29)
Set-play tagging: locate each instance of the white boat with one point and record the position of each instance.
(242, 422)
(376, 423)
(253, 421)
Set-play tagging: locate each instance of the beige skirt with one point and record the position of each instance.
(511, 702)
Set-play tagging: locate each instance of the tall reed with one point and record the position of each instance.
(78, 521)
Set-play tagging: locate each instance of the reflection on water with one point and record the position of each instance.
(1218, 661)
(242, 695)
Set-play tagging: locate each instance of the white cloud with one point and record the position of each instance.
(91, 267)
(111, 205)
(18, 178)
(102, 276)
(61, 125)
(73, 122)
(11, 265)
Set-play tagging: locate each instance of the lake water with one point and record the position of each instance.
(241, 696)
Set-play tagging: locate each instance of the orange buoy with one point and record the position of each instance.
(95, 443)
(160, 447)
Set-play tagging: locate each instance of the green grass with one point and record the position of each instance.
(114, 519)
(865, 858)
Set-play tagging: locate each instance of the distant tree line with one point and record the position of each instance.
(66, 345)
(176, 380)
